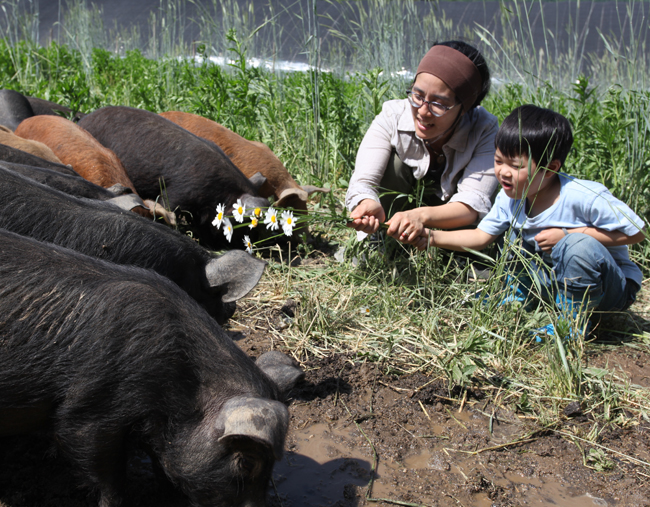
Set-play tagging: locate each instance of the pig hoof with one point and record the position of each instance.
(281, 369)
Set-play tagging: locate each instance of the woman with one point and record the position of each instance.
(438, 134)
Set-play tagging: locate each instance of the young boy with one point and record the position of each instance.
(580, 229)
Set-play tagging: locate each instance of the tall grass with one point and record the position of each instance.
(409, 311)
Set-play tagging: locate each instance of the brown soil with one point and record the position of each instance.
(428, 450)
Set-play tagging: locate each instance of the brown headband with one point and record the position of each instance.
(456, 70)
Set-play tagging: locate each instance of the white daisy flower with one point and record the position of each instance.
(238, 211)
(254, 221)
(287, 222)
(227, 228)
(249, 245)
(271, 219)
(257, 212)
(219, 218)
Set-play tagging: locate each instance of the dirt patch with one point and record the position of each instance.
(430, 453)
(630, 364)
(348, 415)
(351, 424)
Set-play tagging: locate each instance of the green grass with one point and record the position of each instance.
(407, 310)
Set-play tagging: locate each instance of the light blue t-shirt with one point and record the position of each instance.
(582, 203)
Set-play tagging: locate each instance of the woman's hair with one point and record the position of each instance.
(477, 58)
(537, 133)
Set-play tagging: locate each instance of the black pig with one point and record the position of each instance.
(14, 108)
(9, 154)
(68, 183)
(118, 194)
(46, 107)
(104, 231)
(197, 175)
(96, 352)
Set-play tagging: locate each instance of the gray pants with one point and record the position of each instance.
(399, 190)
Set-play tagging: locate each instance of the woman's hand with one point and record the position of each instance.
(367, 216)
(405, 226)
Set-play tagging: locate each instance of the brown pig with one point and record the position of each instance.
(250, 157)
(8, 138)
(74, 146)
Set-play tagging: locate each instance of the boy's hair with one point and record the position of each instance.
(535, 132)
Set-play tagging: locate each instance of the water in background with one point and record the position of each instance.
(522, 39)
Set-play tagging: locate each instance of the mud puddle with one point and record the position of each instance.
(432, 454)
(323, 468)
(318, 467)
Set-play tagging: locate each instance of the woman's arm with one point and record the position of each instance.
(407, 225)
(362, 197)
(372, 158)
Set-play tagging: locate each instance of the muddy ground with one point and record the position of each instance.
(428, 450)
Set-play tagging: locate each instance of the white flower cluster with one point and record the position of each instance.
(286, 221)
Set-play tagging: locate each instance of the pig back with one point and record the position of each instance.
(47, 107)
(196, 175)
(66, 183)
(249, 156)
(76, 147)
(9, 154)
(8, 138)
(135, 315)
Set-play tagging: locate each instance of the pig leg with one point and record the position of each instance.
(100, 453)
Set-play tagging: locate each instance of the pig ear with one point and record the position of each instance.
(310, 189)
(261, 419)
(290, 193)
(281, 369)
(235, 273)
(258, 179)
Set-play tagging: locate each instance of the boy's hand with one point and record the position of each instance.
(405, 226)
(548, 238)
(424, 240)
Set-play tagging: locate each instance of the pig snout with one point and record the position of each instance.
(252, 202)
(280, 369)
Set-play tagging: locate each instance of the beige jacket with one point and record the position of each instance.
(469, 175)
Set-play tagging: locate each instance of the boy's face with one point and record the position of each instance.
(519, 175)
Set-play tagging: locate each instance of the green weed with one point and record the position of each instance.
(410, 311)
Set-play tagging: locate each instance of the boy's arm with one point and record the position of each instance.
(474, 239)
(548, 238)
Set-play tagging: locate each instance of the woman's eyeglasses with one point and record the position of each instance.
(435, 108)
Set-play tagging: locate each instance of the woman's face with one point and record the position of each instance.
(432, 88)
